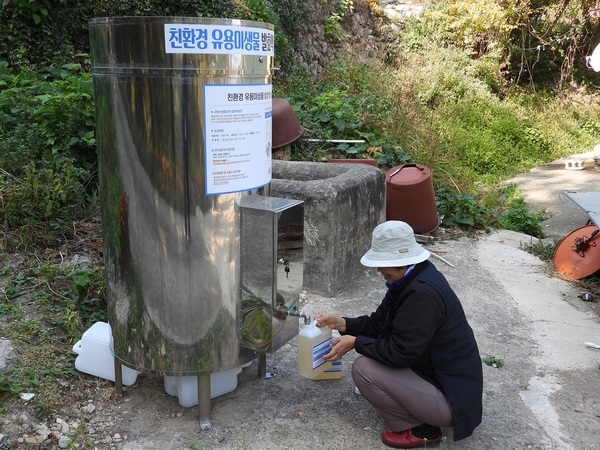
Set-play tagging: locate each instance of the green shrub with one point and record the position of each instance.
(47, 145)
(467, 23)
(518, 217)
(435, 112)
(491, 140)
(332, 25)
(349, 102)
(569, 123)
(462, 210)
(512, 212)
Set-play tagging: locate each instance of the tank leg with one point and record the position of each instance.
(118, 377)
(204, 401)
(262, 366)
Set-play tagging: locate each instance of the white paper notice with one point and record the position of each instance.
(237, 137)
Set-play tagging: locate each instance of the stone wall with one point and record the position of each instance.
(362, 34)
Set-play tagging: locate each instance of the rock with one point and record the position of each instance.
(63, 442)
(88, 409)
(6, 354)
(32, 440)
(80, 261)
(43, 431)
(26, 396)
(63, 426)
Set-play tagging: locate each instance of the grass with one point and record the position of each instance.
(543, 250)
(45, 305)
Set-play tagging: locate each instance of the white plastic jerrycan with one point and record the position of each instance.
(313, 344)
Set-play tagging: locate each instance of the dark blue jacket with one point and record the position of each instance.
(421, 324)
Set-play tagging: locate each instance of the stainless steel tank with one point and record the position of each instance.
(183, 108)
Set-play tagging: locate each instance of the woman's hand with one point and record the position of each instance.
(339, 347)
(333, 322)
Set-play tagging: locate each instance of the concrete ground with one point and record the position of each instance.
(544, 187)
(545, 396)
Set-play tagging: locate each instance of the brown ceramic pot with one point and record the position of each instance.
(286, 128)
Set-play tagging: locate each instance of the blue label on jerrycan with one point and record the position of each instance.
(313, 344)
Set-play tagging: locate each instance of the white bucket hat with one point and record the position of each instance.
(393, 245)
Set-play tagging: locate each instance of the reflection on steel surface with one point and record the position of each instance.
(171, 252)
(269, 291)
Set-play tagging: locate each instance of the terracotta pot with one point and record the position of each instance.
(286, 128)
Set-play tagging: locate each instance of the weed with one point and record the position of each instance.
(516, 216)
(41, 369)
(492, 361)
(8, 309)
(8, 387)
(490, 139)
(332, 27)
(543, 250)
(78, 435)
(433, 111)
(87, 294)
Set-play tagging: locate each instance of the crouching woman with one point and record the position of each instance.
(419, 367)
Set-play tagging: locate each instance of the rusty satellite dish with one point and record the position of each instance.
(577, 255)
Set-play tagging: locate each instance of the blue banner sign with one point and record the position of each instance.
(218, 39)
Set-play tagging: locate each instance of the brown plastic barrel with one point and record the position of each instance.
(410, 197)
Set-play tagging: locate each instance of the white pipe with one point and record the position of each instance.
(339, 141)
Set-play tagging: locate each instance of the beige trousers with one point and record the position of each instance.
(401, 397)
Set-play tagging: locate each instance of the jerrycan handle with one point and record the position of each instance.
(418, 166)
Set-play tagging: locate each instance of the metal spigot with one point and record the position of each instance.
(293, 311)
